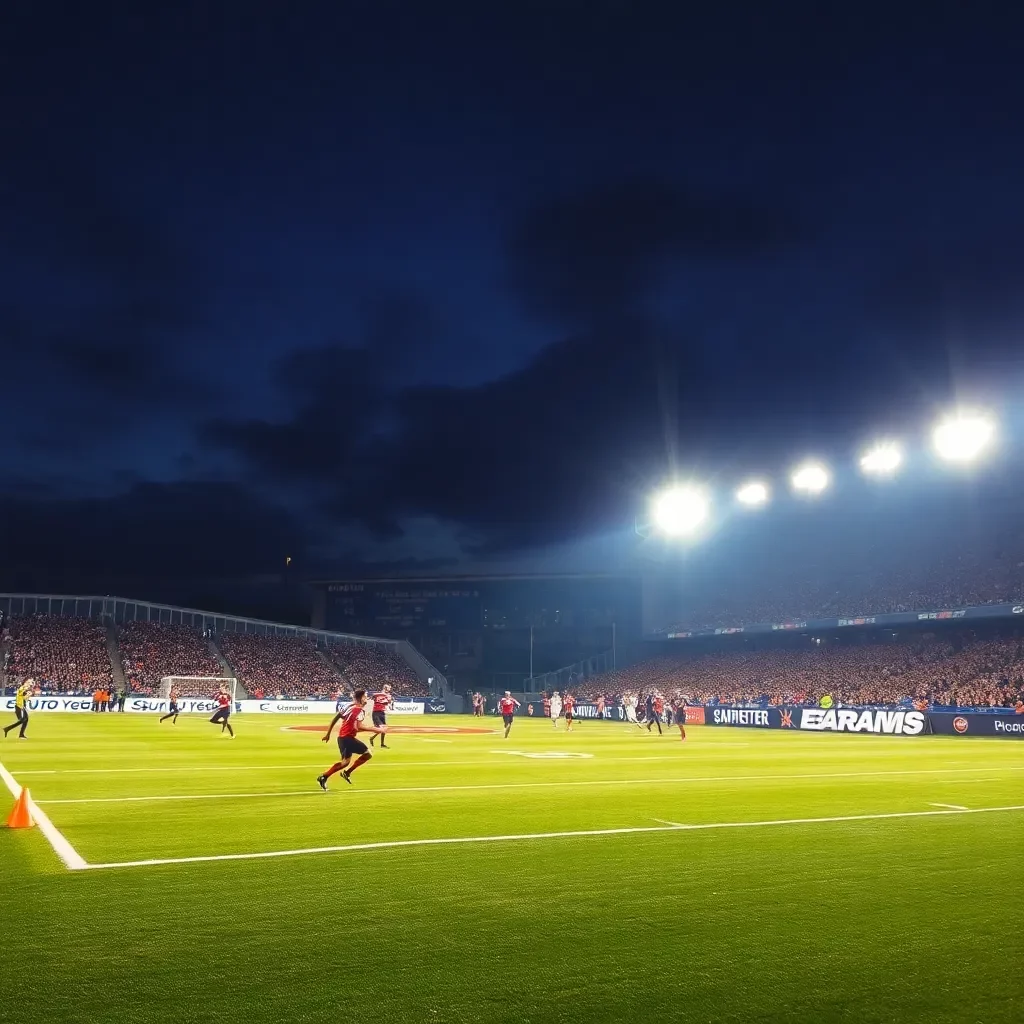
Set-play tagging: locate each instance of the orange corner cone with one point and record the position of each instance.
(20, 816)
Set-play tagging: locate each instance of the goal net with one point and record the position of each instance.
(197, 686)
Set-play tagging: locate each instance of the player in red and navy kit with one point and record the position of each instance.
(349, 743)
(546, 704)
(568, 703)
(223, 712)
(175, 710)
(507, 706)
(382, 703)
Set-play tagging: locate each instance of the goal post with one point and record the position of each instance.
(197, 686)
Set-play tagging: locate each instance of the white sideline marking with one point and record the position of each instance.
(530, 785)
(64, 850)
(461, 840)
(952, 807)
(674, 824)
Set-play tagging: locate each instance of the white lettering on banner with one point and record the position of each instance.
(1017, 727)
(893, 723)
(1018, 609)
(407, 707)
(741, 716)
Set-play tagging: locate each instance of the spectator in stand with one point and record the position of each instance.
(65, 656)
(152, 650)
(926, 670)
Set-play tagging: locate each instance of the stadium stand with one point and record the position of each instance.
(63, 655)
(880, 566)
(280, 667)
(960, 670)
(372, 667)
(151, 650)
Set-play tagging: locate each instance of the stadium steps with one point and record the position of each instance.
(114, 653)
(241, 693)
(332, 665)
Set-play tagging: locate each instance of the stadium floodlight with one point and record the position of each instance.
(963, 436)
(882, 460)
(753, 493)
(810, 478)
(679, 510)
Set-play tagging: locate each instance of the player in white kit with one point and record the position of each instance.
(631, 710)
(556, 708)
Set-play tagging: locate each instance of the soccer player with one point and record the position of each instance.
(545, 704)
(507, 706)
(174, 710)
(600, 707)
(655, 707)
(556, 709)
(382, 701)
(223, 712)
(568, 703)
(21, 699)
(679, 707)
(349, 743)
(631, 710)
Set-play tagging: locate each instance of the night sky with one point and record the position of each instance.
(442, 285)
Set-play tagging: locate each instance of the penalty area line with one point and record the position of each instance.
(465, 840)
(68, 855)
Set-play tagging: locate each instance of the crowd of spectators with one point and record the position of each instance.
(63, 655)
(946, 671)
(152, 650)
(369, 668)
(280, 667)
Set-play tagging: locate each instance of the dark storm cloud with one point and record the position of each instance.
(605, 250)
(188, 528)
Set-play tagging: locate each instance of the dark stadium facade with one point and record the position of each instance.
(477, 629)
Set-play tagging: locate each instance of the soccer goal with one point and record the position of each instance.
(197, 686)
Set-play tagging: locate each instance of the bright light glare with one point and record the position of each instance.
(811, 478)
(963, 436)
(680, 510)
(882, 460)
(752, 493)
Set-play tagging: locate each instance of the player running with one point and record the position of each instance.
(223, 712)
(568, 703)
(545, 704)
(630, 701)
(174, 709)
(556, 708)
(655, 707)
(679, 709)
(507, 706)
(349, 743)
(21, 698)
(382, 703)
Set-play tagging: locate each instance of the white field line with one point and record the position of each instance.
(64, 850)
(462, 840)
(528, 785)
(951, 807)
(384, 762)
(674, 824)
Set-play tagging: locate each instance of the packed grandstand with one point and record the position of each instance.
(956, 668)
(951, 669)
(67, 655)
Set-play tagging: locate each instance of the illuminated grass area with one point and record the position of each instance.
(910, 911)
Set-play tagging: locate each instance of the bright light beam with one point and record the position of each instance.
(963, 436)
(882, 460)
(680, 510)
(753, 493)
(810, 478)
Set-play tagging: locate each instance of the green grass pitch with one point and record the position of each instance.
(911, 909)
